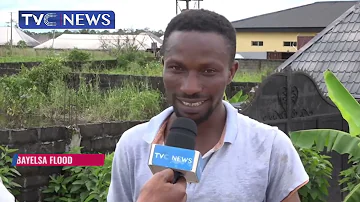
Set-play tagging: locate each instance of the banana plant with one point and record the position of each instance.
(335, 140)
(238, 97)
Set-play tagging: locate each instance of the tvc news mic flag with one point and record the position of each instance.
(186, 161)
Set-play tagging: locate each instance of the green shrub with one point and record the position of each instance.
(351, 176)
(17, 95)
(7, 172)
(319, 170)
(126, 57)
(51, 70)
(77, 184)
(76, 55)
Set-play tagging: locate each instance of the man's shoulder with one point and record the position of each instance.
(134, 134)
(255, 126)
(263, 131)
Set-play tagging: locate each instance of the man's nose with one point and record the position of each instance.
(191, 84)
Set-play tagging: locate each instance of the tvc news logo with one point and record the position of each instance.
(66, 19)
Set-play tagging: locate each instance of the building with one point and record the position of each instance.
(280, 34)
(17, 35)
(336, 48)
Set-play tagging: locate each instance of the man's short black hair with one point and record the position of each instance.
(202, 20)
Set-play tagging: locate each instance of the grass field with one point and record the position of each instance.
(32, 55)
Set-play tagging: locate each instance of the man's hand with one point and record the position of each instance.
(160, 188)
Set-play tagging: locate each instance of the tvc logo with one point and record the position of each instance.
(66, 19)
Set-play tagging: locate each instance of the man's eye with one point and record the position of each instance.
(177, 68)
(209, 71)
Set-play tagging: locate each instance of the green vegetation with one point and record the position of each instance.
(335, 140)
(19, 54)
(319, 170)
(7, 171)
(80, 183)
(41, 94)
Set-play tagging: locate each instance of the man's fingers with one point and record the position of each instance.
(167, 175)
(181, 183)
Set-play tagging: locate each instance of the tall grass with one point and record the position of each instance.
(32, 55)
(40, 97)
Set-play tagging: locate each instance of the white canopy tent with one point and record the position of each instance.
(17, 35)
(142, 41)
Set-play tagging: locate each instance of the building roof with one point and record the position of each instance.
(41, 38)
(143, 41)
(315, 15)
(17, 35)
(336, 48)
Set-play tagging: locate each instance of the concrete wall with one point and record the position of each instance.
(14, 67)
(93, 137)
(259, 64)
(254, 55)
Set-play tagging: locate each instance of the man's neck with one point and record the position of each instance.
(209, 131)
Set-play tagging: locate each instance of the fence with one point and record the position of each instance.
(247, 64)
(292, 101)
(81, 92)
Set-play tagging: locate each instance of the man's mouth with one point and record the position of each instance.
(192, 104)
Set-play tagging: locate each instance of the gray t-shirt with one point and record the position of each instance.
(256, 163)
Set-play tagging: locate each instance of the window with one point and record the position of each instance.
(290, 43)
(257, 43)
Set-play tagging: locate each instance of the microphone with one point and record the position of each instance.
(179, 152)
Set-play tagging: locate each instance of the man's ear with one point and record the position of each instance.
(233, 69)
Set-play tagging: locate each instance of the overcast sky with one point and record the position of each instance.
(146, 13)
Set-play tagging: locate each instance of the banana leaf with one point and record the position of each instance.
(354, 195)
(333, 140)
(238, 97)
(345, 102)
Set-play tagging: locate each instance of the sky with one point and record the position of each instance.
(155, 15)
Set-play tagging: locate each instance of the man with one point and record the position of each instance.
(5, 195)
(245, 160)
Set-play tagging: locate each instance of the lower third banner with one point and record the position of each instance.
(58, 160)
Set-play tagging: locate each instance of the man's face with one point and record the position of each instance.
(196, 72)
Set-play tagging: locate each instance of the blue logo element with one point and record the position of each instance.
(14, 160)
(173, 157)
(66, 19)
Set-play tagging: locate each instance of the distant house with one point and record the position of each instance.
(278, 35)
(336, 48)
(17, 35)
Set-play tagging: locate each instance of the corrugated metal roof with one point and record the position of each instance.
(315, 15)
(99, 42)
(17, 35)
(336, 48)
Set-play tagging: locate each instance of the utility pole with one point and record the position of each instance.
(187, 3)
(11, 31)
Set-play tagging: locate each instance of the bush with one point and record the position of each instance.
(80, 183)
(351, 176)
(319, 170)
(76, 55)
(7, 171)
(129, 56)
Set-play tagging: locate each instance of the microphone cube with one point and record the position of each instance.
(186, 161)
